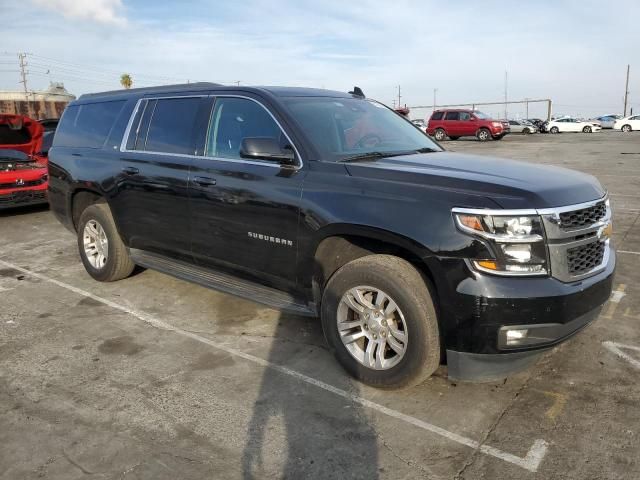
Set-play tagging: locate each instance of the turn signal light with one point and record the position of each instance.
(489, 264)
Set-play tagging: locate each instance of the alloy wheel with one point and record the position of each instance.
(96, 244)
(372, 327)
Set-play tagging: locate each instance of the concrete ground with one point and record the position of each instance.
(156, 378)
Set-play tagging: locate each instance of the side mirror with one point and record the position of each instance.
(266, 148)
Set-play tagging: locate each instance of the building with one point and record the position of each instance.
(49, 103)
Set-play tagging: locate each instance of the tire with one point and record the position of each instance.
(453, 138)
(403, 285)
(116, 264)
(626, 128)
(554, 130)
(483, 134)
(439, 134)
(526, 131)
(587, 129)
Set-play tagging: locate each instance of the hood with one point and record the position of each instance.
(21, 133)
(509, 183)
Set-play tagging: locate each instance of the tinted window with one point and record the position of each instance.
(464, 116)
(513, 122)
(171, 127)
(234, 119)
(451, 116)
(437, 116)
(87, 125)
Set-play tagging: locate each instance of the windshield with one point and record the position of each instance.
(481, 115)
(344, 127)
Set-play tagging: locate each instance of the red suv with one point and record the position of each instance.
(23, 164)
(465, 123)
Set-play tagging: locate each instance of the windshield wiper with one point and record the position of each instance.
(426, 150)
(371, 155)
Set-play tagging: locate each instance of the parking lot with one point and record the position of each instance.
(153, 377)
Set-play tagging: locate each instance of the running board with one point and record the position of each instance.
(223, 282)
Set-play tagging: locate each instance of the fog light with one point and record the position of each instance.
(515, 336)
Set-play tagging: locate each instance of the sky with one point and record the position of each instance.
(574, 52)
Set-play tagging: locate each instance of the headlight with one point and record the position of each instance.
(496, 124)
(516, 240)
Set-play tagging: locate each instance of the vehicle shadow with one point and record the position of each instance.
(325, 436)
(23, 210)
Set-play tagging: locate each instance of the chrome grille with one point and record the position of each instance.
(585, 258)
(574, 234)
(583, 217)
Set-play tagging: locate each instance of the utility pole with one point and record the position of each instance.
(505, 94)
(23, 73)
(626, 92)
(434, 99)
(526, 108)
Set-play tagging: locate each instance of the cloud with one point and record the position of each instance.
(101, 11)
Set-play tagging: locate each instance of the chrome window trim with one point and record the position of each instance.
(265, 163)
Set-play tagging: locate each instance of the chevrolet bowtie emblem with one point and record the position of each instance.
(606, 231)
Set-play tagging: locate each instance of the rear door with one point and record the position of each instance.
(452, 124)
(153, 200)
(244, 213)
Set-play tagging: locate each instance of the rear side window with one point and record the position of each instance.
(437, 116)
(451, 116)
(171, 126)
(87, 125)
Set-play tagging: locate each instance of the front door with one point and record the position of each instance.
(244, 213)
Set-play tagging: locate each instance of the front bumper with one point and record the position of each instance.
(19, 198)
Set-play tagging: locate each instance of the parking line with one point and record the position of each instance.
(616, 348)
(530, 462)
(627, 251)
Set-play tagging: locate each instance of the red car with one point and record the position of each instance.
(458, 123)
(23, 165)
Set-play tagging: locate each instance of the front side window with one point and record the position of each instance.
(452, 116)
(464, 116)
(342, 127)
(234, 119)
(171, 126)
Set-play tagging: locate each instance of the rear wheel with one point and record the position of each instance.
(554, 130)
(626, 128)
(102, 251)
(483, 135)
(587, 130)
(439, 134)
(380, 321)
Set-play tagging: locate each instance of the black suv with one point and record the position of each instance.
(330, 204)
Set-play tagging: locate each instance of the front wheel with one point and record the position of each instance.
(626, 128)
(102, 251)
(484, 135)
(526, 131)
(554, 130)
(379, 319)
(587, 130)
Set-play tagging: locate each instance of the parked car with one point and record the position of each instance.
(568, 124)
(23, 164)
(329, 204)
(465, 123)
(522, 126)
(605, 122)
(628, 124)
(421, 124)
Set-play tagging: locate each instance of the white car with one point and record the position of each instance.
(627, 124)
(421, 124)
(569, 124)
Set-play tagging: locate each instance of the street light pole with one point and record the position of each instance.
(434, 99)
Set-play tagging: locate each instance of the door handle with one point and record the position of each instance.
(205, 181)
(130, 170)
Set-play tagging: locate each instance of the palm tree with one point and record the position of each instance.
(126, 81)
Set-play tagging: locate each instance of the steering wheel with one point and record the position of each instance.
(369, 141)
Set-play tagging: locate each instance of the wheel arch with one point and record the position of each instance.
(80, 199)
